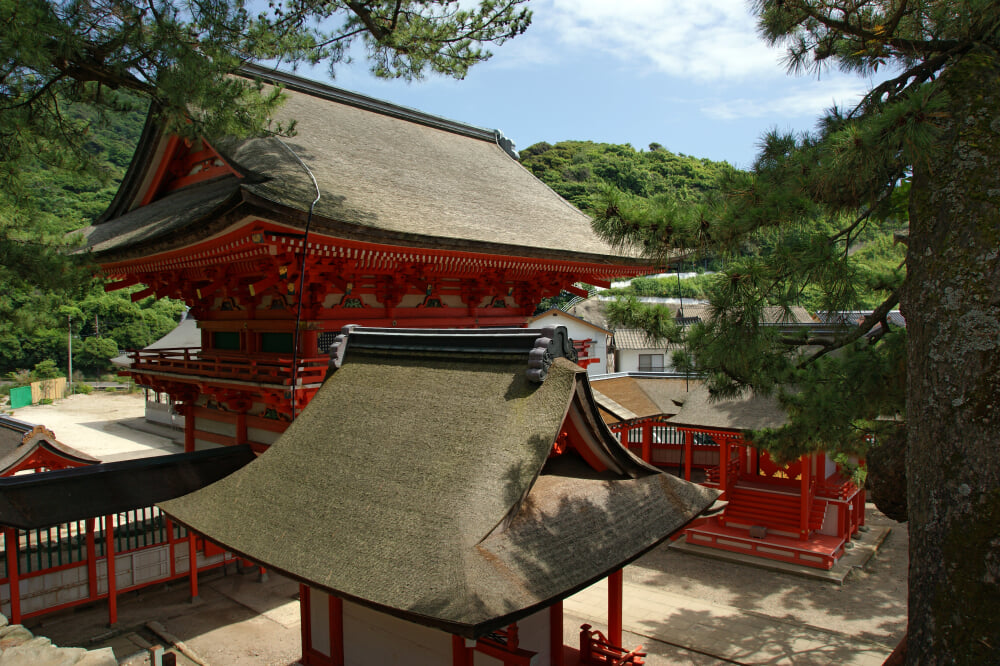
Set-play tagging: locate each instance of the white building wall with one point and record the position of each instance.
(577, 330)
(375, 639)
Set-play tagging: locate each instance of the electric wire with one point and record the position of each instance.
(302, 275)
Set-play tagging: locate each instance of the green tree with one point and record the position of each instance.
(927, 139)
(67, 66)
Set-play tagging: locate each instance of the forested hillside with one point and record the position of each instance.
(582, 171)
(579, 169)
(46, 287)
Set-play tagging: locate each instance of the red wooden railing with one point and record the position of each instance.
(84, 544)
(597, 650)
(228, 365)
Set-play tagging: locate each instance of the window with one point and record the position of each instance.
(229, 340)
(276, 343)
(650, 362)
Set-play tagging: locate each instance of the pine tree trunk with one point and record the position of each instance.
(952, 308)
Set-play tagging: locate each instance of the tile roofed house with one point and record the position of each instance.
(484, 497)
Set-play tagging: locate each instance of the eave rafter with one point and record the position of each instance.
(265, 258)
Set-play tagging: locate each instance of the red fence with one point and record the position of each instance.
(67, 565)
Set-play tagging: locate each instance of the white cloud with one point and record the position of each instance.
(799, 97)
(707, 40)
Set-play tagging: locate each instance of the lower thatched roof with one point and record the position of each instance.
(420, 484)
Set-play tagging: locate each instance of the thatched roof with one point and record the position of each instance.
(386, 174)
(419, 483)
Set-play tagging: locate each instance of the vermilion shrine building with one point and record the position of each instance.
(371, 214)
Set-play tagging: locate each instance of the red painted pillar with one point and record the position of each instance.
(189, 427)
(109, 539)
(310, 343)
(91, 560)
(193, 565)
(805, 476)
(336, 630)
(12, 547)
(647, 442)
(688, 454)
(615, 585)
(724, 467)
(556, 633)
(241, 428)
(305, 621)
(461, 655)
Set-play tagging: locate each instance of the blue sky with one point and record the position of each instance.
(691, 75)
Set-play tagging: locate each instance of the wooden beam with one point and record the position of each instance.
(121, 284)
(139, 295)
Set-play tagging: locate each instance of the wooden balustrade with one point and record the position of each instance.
(228, 365)
(596, 649)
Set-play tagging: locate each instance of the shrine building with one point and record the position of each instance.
(490, 491)
(370, 214)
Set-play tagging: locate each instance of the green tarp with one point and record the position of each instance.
(20, 397)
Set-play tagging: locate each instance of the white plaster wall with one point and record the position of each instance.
(262, 436)
(319, 621)
(376, 639)
(579, 331)
(627, 360)
(533, 635)
(216, 427)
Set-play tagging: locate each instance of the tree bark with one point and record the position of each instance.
(951, 301)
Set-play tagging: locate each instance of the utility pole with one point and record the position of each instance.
(69, 344)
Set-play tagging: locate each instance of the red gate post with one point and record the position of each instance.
(461, 655)
(805, 465)
(336, 610)
(647, 442)
(91, 560)
(193, 565)
(11, 545)
(109, 538)
(724, 468)
(688, 454)
(556, 633)
(615, 585)
(189, 427)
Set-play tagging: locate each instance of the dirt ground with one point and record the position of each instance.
(241, 621)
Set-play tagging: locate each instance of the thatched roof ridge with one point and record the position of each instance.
(385, 174)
